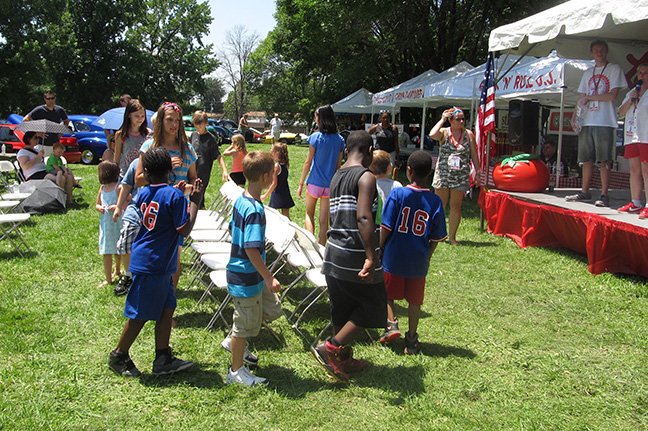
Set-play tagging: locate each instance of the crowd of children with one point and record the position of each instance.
(378, 247)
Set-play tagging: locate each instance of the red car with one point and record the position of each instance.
(12, 141)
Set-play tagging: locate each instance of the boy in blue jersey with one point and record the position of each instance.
(251, 284)
(164, 217)
(413, 223)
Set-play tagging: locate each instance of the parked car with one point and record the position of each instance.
(285, 137)
(91, 139)
(13, 143)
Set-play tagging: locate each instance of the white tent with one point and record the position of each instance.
(570, 28)
(358, 102)
(409, 90)
(464, 88)
(544, 80)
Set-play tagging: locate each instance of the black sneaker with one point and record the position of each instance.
(603, 201)
(123, 285)
(122, 364)
(412, 345)
(169, 364)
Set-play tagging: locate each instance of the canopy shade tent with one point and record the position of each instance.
(411, 89)
(463, 88)
(544, 80)
(358, 102)
(570, 27)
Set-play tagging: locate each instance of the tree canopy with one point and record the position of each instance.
(322, 51)
(89, 52)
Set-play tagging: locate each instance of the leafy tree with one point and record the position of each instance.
(338, 46)
(211, 98)
(89, 51)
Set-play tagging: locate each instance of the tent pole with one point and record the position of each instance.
(560, 127)
(422, 140)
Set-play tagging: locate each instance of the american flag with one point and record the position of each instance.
(486, 116)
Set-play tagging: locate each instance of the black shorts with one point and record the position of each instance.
(361, 303)
(38, 175)
(238, 178)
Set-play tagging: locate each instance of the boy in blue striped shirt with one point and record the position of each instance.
(252, 286)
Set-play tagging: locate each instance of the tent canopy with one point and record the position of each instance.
(570, 28)
(464, 87)
(358, 102)
(411, 89)
(542, 80)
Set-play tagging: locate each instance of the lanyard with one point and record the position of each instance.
(596, 83)
(455, 142)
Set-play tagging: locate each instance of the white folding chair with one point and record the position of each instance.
(10, 226)
(219, 279)
(7, 173)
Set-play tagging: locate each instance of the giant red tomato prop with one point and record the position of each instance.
(521, 173)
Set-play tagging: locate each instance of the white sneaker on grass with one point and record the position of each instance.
(248, 357)
(245, 377)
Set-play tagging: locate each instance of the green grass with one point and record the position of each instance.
(512, 339)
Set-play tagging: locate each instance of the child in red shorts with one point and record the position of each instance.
(413, 223)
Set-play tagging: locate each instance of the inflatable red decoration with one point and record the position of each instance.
(521, 173)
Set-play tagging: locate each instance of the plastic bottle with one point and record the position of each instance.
(4, 148)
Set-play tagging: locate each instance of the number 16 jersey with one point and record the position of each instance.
(415, 218)
(163, 212)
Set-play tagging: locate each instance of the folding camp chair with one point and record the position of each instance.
(7, 173)
(10, 226)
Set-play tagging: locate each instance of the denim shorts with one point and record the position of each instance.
(596, 144)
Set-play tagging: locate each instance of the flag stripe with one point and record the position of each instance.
(486, 116)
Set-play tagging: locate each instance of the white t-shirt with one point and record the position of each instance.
(601, 80)
(276, 124)
(636, 120)
(37, 167)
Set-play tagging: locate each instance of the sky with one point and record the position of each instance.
(254, 15)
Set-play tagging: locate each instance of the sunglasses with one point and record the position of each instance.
(50, 98)
(459, 119)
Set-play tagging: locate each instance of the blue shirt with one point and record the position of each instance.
(415, 217)
(328, 148)
(164, 212)
(248, 231)
(131, 214)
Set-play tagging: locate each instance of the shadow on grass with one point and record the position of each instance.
(197, 376)
(10, 254)
(402, 380)
(434, 350)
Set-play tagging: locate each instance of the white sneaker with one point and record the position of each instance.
(245, 377)
(248, 357)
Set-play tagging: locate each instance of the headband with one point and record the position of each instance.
(456, 111)
(169, 105)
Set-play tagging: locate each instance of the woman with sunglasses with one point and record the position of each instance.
(452, 173)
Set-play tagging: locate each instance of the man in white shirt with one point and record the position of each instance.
(276, 124)
(599, 88)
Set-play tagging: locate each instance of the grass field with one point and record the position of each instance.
(512, 339)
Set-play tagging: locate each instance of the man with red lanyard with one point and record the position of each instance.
(599, 88)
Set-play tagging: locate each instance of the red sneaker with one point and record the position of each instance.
(330, 357)
(349, 363)
(643, 213)
(629, 208)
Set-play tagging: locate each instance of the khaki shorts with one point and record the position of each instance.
(250, 313)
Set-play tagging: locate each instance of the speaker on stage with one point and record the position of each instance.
(523, 122)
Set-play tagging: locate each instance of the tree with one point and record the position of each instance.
(212, 97)
(339, 46)
(239, 45)
(89, 51)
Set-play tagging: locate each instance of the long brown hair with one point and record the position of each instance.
(133, 105)
(158, 129)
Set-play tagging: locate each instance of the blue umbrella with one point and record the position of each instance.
(113, 118)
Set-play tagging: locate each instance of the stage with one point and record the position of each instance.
(613, 242)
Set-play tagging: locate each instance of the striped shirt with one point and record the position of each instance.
(181, 172)
(345, 254)
(248, 231)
